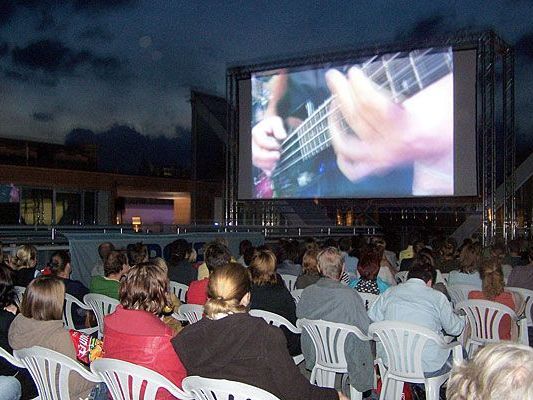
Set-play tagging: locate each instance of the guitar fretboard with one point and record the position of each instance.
(402, 75)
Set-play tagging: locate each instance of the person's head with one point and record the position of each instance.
(345, 244)
(244, 245)
(497, 371)
(418, 245)
(497, 250)
(369, 260)
(161, 263)
(25, 257)
(424, 271)
(379, 242)
(425, 256)
(146, 288)
(514, 247)
(447, 249)
(43, 299)
(104, 249)
(7, 292)
(228, 290)
(470, 258)
(263, 268)
(179, 249)
(248, 255)
(115, 264)
(191, 255)
(289, 251)
(137, 253)
(330, 263)
(60, 264)
(491, 278)
(310, 262)
(216, 254)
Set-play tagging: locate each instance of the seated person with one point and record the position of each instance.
(40, 324)
(24, 265)
(350, 261)
(469, 263)
(493, 289)
(269, 293)
(137, 253)
(368, 268)
(497, 371)
(176, 303)
(310, 273)
(103, 250)
(446, 262)
(230, 344)
(522, 275)
(405, 263)
(115, 266)
(416, 302)
(330, 300)
(287, 256)
(180, 269)
(215, 255)
(135, 332)
(244, 247)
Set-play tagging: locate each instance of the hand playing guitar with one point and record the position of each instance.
(385, 135)
(266, 138)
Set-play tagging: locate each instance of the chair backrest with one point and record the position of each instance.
(296, 294)
(102, 306)
(401, 276)
(275, 319)
(50, 371)
(68, 319)
(484, 319)
(221, 389)
(180, 290)
(368, 299)
(445, 276)
(191, 312)
(10, 359)
(127, 381)
(459, 293)
(290, 281)
(403, 344)
(328, 340)
(527, 296)
(19, 293)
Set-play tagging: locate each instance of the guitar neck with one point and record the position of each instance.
(402, 76)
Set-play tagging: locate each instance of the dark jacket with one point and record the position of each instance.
(182, 272)
(245, 349)
(23, 276)
(305, 280)
(277, 299)
(78, 290)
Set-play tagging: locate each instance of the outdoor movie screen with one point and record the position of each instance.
(387, 126)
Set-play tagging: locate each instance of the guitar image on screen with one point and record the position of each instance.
(306, 153)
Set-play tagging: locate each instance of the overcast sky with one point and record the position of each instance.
(92, 64)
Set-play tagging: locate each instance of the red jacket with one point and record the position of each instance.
(141, 338)
(197, 292)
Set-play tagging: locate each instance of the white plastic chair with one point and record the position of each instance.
(401, 276)
(102, 306)
(180, 290)
(11, 359)
(19, 290)
(527, 297)
(404, 344)
(278, 320)
(290, 281)
(483, 318)
(445, 277)
(296, 294)
(368, 299)
(459, 293)
(50, 371)
(328, 340)
(222, 389)
(126, 380)
(68, 319)
(191, 312)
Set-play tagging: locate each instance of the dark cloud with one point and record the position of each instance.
(524, 45)
(99, 5)
(7, 10)
(42, 116)
(40, 79)
(95, 33)
(4, 49)
(427, 27)
(46, 21)
(53, 59)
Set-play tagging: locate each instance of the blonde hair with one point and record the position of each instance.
(470, 258)
(492, 278)
(228, 284)
(497, 372)
(263, 268)
(330, 262)
(161, 263)
(43, 299)
(25, 257)
(310, 262)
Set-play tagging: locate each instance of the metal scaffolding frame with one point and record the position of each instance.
(490, 50)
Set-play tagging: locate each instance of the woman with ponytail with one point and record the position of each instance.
(493, 289)
(228, 343)
(24, 264)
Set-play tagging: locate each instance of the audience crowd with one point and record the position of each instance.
(328, 280)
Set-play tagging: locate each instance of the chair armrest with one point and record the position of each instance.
(523, 337)
(179, 317)
(457, 350)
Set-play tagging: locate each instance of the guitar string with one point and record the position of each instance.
(295, 134)
(288, 157)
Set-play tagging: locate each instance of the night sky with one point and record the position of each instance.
(93, 65)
